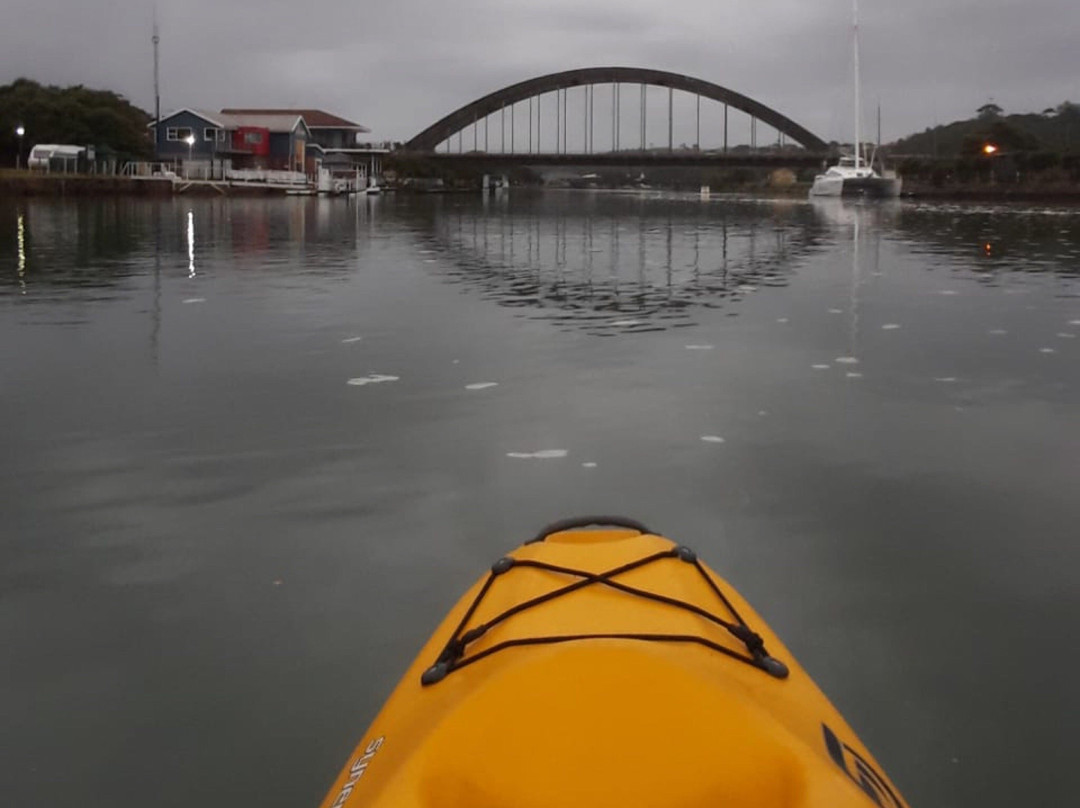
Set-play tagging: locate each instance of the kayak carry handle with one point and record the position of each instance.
(588, 521)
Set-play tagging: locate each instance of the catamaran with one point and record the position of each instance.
(854, 175)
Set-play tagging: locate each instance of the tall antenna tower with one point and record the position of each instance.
(157, 92)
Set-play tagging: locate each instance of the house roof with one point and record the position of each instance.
(314, 118)
(275, 122)
(210, 117)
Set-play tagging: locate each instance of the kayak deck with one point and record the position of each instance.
(607, 668)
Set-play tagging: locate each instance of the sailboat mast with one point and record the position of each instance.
(858, 133)
(157, 92)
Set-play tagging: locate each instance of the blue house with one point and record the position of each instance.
(210, 143)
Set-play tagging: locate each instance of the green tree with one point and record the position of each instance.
(75, 115)
(1003, 134)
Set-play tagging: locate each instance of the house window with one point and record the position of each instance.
(212, 135)
(253, 138)
(178, 133)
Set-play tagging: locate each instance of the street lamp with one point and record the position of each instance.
(190, 140)
(20, 130)
(989, 150)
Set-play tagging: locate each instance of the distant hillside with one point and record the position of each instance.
(1053, 130)
(76, 115)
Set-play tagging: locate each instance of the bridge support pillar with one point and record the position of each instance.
(565, 119)
(644, 108)
(671, 119)
(558, 120)
(725, 128)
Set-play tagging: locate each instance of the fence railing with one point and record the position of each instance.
(204, 171)
(138, 168)
(266, 176)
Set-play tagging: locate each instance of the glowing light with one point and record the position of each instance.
(989, 148)
(191, 244)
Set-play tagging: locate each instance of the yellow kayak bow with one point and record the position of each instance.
(607, 667)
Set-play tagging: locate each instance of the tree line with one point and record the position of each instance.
(76, 115)
(1054, 130)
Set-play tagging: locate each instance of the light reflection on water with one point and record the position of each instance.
(191, 243)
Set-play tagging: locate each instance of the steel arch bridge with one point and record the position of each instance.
(505, 99)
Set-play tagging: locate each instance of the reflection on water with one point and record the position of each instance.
(994, 241)
(614, 264)
(191, 243)
(21, 246)
(59, 247)
(629, 265)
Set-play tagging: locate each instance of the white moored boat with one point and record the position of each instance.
(854, 175)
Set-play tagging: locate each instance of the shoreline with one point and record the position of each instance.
(989, 193)
(27, 184)
(24, 184)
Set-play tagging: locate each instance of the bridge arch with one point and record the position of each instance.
(459, 119)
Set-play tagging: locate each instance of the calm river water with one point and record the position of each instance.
(252, 450)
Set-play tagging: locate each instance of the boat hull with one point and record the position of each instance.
(598, 696)
(827, 186)
(864, 187)
(872, 187)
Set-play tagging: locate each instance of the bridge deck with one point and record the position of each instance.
(627, 158)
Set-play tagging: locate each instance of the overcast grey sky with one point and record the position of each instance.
(398, 65)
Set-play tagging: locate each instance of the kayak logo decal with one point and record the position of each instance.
(860, 772)
(356, 771)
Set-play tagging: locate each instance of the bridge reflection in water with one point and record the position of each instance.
(628, 264)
